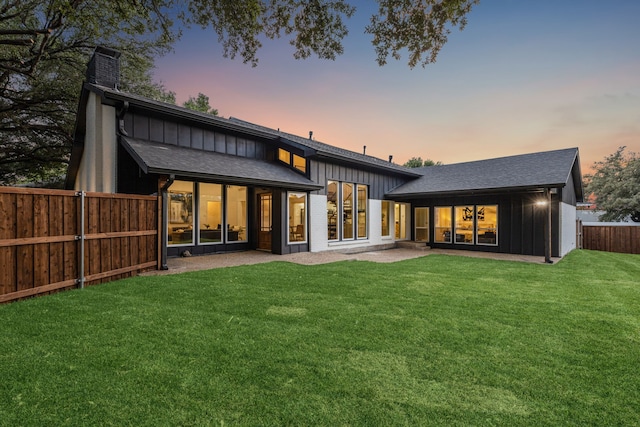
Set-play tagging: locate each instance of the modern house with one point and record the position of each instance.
(230, 185)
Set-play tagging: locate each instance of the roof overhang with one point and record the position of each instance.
(473, 192)
(164, 159)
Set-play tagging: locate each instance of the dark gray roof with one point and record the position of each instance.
(525, 172)
(242, 126)
(169, 159)
(329, 151)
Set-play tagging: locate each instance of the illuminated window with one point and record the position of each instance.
(386, 218)
(299, 163)
(442, 230)
(210, 213)
(464, 224)
(362, 212)
(180, 213)
(236, 213)
(347, 211)
(487, 224)
(297, 207)
(332, 210)
(422, 224)
(284, 156)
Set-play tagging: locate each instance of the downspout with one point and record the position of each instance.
(165, 223)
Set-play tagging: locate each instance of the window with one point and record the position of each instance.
(442, 230)
(422, 224)
(297, 211)
(347, 210)
(300, 163)
(332, 210)
(284, 156)
(362, 212)
(210, 213)
(297, 162)
(386, 218)
(180, 213)
(464, 224)
(236, 213)
(487, 224)
(401, 220)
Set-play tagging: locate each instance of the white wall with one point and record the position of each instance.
(97, 170)
(318, 227)
(567, 228)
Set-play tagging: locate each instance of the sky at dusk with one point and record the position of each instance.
(523, 76)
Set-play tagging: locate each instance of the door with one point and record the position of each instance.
(264, 227)
(402, 217)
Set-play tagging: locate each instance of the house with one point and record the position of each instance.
(230, 185)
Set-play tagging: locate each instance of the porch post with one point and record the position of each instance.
(547, 228)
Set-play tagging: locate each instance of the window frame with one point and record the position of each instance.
(304, 217)
(222, 214)
(415, 228)
(472, 230)
(495, 225)
(435, 224)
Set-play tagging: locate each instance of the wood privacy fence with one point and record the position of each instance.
(57, 239)
(621, 237)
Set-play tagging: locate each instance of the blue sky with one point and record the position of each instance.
(523, 76)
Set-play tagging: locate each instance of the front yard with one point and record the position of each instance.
(440, 340)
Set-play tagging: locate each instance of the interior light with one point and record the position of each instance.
(541, 203)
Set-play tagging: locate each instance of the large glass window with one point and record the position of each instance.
(332, 210)
(401, 220)
(180, 213)
(464, 224)
(487, 224)
(362, 211)
(210, 213)
(422, 224)
(236, 213)
(347, 211)
(297, 217)
(442, 230)
(284, 156)
(386, 218)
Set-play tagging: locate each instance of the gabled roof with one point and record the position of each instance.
(549, 169)
(153, 157)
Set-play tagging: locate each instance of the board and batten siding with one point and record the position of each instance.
(183, 135)
(379, 183)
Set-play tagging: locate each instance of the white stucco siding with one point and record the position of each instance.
(318, 229)
(567, 228)
(97, 170)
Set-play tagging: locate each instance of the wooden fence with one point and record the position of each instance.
(44, 246)
(610, 238)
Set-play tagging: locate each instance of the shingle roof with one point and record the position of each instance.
(527, 171)
(242, 126)
(169, 159)
(330, 151)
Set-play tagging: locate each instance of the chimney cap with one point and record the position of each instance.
(107, 51)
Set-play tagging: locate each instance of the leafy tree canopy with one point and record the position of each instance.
(417, 162)
(615, 184)
(45, 46)
(200, 103)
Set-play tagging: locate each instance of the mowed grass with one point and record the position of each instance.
(439, 340)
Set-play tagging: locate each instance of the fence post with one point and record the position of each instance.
(81, 237)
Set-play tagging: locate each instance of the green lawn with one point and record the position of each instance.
(440, 340)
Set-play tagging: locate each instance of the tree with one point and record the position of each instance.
(416, 162)
(318, 26)
(615, 184)
(200, 103)
(45, 46)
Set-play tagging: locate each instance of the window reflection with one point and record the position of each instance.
(362, 211)
(386, 218)
(332, 210)
(347, 210)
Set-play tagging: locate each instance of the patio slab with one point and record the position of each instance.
(207, 262)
